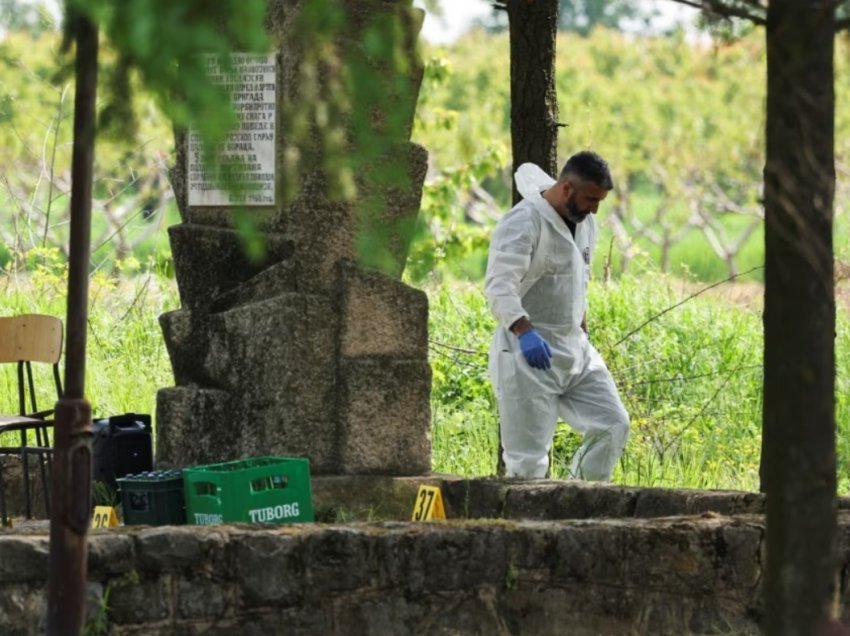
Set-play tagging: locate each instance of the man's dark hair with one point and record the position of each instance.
(588, 166)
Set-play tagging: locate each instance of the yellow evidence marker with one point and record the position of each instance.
(104, 517)
(428, 504)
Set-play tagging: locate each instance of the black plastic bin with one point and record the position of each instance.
(122, 445)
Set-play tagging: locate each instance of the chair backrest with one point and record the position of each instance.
(31, 338)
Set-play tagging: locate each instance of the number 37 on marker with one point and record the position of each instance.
(429, 504)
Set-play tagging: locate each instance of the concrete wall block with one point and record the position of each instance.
(110, 554)
(276, 361)
(725, 502)
(200, 597)
(186, 429)
(209, 261)
(337, 562)
(96, 607)
(297, 622)
(572, 500)
(687, 552)
(464, 612)
(583, 554)
(382, 612)
(689, 576)
(474, 498)
(187, 341)
(543, 610)
(322, 230)
(283, 16)
(269, 570)
(12, 467)
(381, 316)
(23, 559)
(397, 563)
(738, 549)
(279, 351)
(660, 503)
(386, 228)
(166, 549)
(135, 599)
(23, 608)
(385, 417)
(286, 431)
(276, 279)
(480, 557)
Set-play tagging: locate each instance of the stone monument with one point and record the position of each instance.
(307, 353)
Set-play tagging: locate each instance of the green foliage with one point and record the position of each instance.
(36, 104)
(98, 625)
(446, 239)
(165, 42)
(465, 429)
(680, 122)
(126, 358)
(153, 61)
(691, 381)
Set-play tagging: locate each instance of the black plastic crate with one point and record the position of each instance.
(153, 498)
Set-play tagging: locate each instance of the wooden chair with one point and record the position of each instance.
(26, 339)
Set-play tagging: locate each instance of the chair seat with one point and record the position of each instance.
(19, 422)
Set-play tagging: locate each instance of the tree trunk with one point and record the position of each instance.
(533, 28)
(72, 465)
(798, 450)
(534, 103)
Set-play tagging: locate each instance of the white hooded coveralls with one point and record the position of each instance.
(537, 269)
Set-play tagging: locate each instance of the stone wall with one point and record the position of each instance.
(584, 578)
(520, 558)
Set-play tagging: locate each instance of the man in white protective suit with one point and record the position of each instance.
(541, 363)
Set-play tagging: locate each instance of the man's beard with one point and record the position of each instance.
(573, 213)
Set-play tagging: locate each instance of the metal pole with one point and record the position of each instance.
(72, 465)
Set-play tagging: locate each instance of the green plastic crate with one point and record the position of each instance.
(153, 498)
(256, 490)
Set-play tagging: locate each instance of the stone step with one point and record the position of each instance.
(375, 497)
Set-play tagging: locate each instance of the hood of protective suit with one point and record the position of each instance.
(531, 180)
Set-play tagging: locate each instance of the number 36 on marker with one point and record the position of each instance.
(104, 517)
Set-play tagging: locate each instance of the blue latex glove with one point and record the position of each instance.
(535, 349)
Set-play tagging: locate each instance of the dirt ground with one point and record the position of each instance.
(751, 294)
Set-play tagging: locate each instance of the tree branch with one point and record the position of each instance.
(679, 304)
(718, 7)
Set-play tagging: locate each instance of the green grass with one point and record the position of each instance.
(691, 378)
(126, 361)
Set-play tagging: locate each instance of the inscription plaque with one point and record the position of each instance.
(247, 156)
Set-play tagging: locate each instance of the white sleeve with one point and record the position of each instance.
(511, 248)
